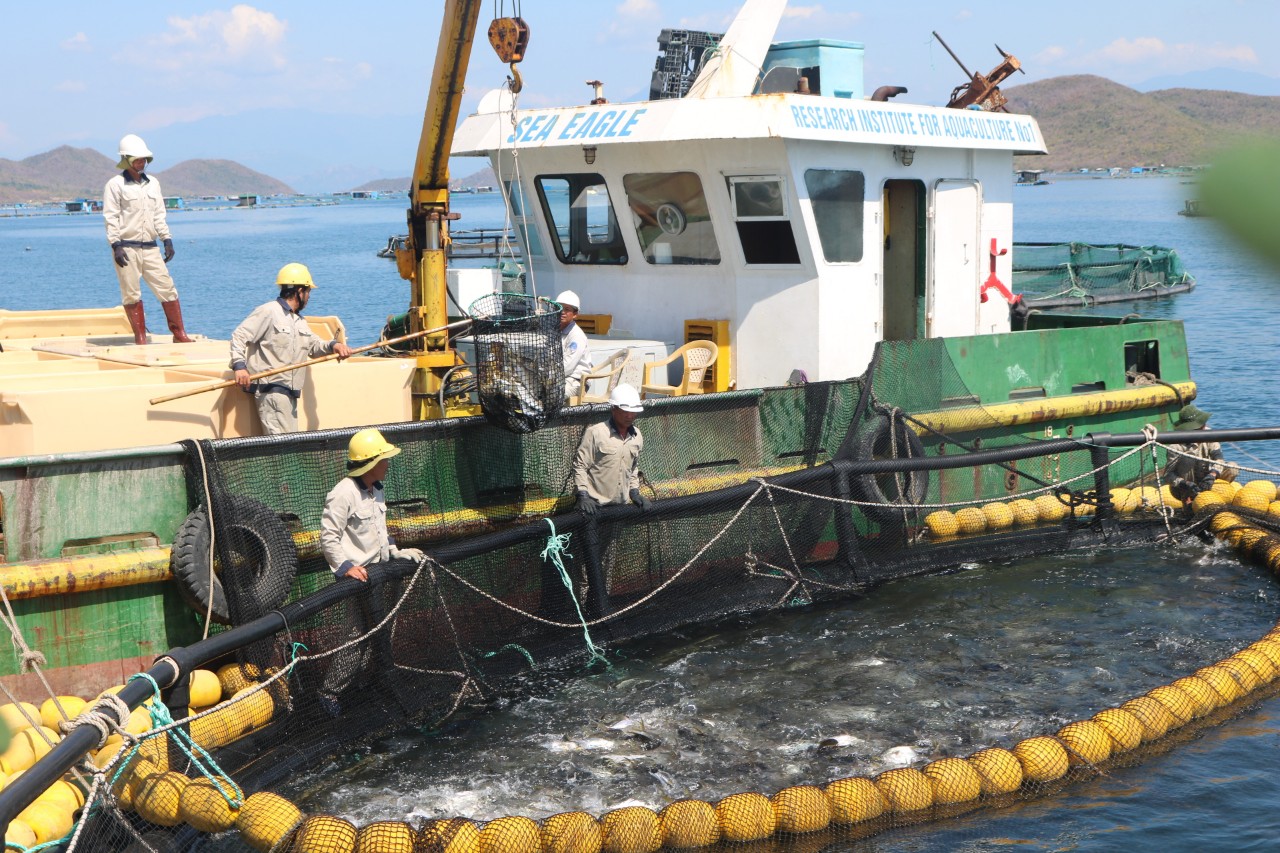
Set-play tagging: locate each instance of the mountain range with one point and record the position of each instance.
(1087, 121)
(1092, 122)
(71, 173)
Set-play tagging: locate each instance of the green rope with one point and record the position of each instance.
(159, 719)
(557, 546)
(521, 649)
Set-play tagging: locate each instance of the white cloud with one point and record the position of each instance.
(636, 8)
(1050, 55)
(1141, 49)
(1148, 53)
(165, 116)
(244, 37)
(71, 86)
(801, 11)
(78, 42)
(963, 15)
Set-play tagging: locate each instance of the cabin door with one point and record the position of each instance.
(953, 297)
(904, 291)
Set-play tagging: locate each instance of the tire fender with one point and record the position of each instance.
(267, 575)
(877, 442)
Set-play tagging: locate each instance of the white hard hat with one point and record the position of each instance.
(568, 297)
(131, 148)
(627, 398)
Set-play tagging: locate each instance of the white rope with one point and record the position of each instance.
(617, 613)
(208, 510)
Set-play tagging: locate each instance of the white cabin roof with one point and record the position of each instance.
(785, 115)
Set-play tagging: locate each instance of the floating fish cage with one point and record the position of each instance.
(1076, 275)
(193, 754)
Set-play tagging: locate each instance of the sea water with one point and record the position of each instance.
(919, 669)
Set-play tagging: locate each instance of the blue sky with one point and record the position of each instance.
(316, 92)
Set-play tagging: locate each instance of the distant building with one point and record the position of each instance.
(247, 201)
(174, 202)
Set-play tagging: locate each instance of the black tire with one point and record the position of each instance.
(266, 557)
(881, 491)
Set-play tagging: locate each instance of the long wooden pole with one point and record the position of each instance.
(230, 382)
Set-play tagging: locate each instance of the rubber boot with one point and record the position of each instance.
(173, 313)
(137, 322)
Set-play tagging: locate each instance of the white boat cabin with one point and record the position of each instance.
(814, 224)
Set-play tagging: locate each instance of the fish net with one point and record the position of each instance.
(762, 501)
(1052, 275)
(518, 361)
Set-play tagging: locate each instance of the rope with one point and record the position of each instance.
(208, 508)
(163, 722)
(625, 610)
(29, 660)
(1151, 434)
(556, 548)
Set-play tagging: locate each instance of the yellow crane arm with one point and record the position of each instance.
(423, 259)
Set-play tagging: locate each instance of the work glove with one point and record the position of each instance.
(415, 554)
(122, 260)
(1183, 490)
(640, 500)
(587, 505)
(1207, 483)
(168, 250)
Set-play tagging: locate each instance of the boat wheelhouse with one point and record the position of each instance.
(815, 225)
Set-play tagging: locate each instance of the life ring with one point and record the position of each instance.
(884, 498)
(262, 548)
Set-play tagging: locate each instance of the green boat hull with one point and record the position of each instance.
(86, 536)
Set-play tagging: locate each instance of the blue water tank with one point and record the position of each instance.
(834, 68)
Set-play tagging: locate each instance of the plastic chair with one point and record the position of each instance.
(698, 357)
(611, 369)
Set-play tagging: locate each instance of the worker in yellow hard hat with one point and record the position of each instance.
(355, 542)
(276, 335)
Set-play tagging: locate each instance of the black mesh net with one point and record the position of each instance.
(762, 500)
(519, 364)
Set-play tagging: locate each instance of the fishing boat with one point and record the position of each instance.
(811, 287)
(797, 231)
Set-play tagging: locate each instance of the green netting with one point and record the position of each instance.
(1076, 274)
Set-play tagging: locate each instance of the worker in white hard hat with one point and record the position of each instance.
(606, 468)
(274, 335)
(133, 210)
(355, 543)
(573, 344)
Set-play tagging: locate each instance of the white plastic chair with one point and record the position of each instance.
(611, 370)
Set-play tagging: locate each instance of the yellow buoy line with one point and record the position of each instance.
(230, 703)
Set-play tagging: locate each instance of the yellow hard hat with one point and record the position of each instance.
(294, 275)
(367, 448)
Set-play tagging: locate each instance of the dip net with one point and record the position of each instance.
(1074, 275)
(761, 501)
(518, 362)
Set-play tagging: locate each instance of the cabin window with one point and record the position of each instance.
(671, 218)
(837, 199)
(526, 233)
(762, 217)
(580, 218)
